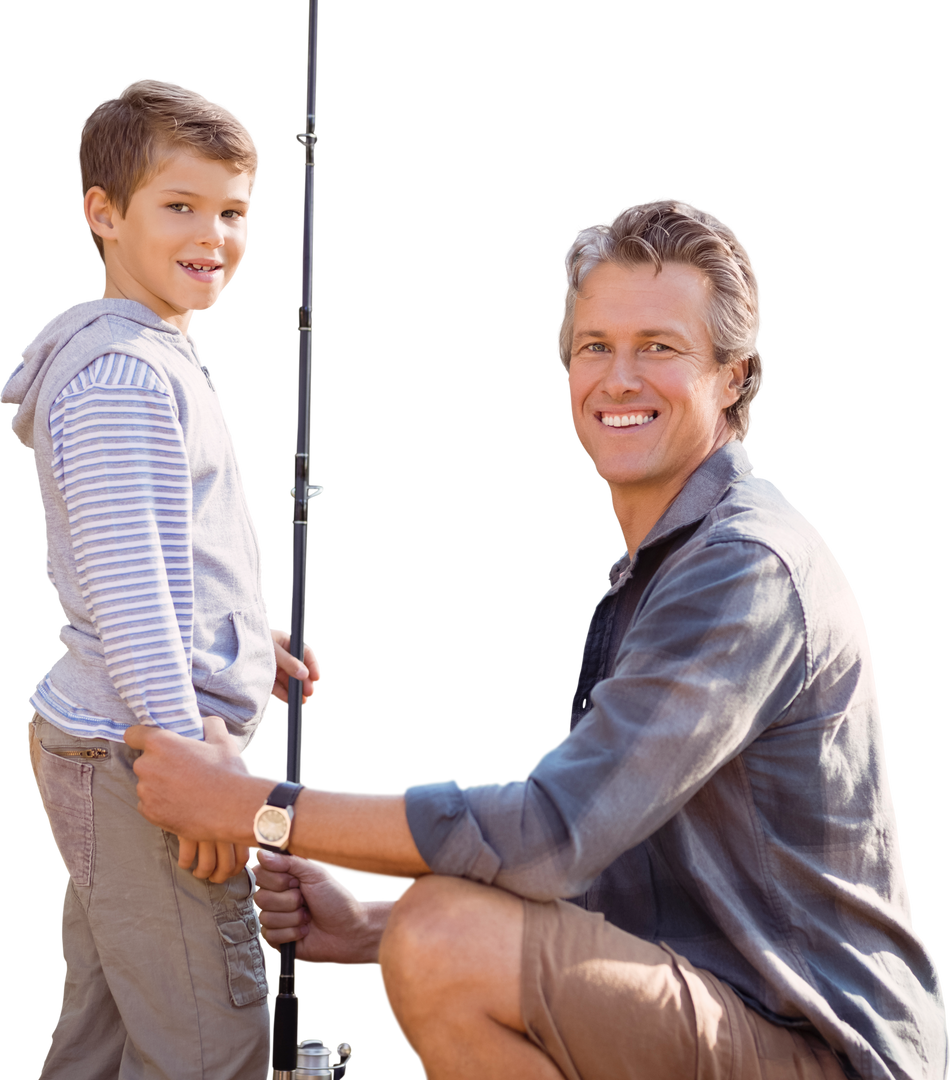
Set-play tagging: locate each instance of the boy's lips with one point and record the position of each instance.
(200, 269)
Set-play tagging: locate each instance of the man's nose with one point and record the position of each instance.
(623, 376)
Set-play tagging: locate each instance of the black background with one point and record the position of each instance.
(463, 538)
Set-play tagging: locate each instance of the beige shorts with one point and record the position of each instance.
(605, 1004)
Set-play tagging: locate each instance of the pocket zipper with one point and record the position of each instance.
(96, 752)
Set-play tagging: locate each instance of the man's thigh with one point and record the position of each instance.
(602, 1002)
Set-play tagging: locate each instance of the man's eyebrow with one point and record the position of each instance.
(197, 195)
(666, 331)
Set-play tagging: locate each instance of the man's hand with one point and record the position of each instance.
(197, 790)
(215, 861)
(301, 902)
(289, 667)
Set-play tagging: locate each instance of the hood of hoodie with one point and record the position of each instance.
(23, 386)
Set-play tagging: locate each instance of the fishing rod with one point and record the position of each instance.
(310, 1058)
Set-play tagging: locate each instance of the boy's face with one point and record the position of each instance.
(181, 239)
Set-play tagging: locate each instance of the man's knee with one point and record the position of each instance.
(424, 924)
(448, 937)
(413, 953)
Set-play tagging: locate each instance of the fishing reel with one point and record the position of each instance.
(313, 1060)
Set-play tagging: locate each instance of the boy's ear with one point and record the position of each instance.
(99, 212)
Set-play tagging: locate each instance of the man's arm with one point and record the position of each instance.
(202, 789)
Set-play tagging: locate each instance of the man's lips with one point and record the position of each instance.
(631, 419)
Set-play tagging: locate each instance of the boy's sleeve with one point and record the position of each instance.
(119, 460)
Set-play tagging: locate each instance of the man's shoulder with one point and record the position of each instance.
(753, 510)
(755, 518)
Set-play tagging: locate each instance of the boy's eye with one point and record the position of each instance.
(178, 207)
(231, 213)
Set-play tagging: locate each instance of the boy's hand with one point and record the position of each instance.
(216, 861)
(289, 667)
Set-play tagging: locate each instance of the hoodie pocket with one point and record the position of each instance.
(235, 679)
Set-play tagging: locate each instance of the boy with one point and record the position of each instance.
(155, 560)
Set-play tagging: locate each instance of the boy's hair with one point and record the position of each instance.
(675, 232)
(126, 140)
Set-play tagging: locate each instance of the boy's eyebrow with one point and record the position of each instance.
(197, 195)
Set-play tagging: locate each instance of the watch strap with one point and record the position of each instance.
(284, 794)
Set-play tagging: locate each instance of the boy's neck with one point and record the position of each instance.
(114, 291)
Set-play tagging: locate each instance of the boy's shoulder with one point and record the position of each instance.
(99, 321)
(77, 337)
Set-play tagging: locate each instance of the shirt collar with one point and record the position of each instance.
(701, 492)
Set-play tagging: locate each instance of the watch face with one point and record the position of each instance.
(272, 825)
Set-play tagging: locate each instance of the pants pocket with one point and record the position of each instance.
(65, 785)
(238, 928)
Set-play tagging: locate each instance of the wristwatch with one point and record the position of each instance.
(272, 822)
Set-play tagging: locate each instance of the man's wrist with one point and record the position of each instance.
(274, 820)
(246, 796)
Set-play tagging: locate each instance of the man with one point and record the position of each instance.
(720, 799)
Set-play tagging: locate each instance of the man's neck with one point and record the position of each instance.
(638, 512)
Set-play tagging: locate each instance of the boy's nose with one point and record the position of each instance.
(211, 234)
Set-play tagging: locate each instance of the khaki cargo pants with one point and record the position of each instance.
(164, 973)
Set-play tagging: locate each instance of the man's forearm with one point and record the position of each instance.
(362, 832)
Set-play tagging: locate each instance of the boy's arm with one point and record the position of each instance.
(120, 463)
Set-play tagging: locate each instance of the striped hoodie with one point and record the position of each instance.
(151, 547)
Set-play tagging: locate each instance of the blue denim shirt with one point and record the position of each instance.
(723, 788)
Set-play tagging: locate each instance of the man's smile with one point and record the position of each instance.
(635, 419)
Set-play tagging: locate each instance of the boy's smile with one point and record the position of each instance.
(181, 239)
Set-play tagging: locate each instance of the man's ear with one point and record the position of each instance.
(99, 212)
(740, 372)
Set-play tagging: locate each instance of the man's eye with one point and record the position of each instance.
(597, 346)
(656, 346)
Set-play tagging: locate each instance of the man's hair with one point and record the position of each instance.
(674, 232)
(127, 140)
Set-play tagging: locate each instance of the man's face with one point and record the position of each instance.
(181, 238)
(646, 391)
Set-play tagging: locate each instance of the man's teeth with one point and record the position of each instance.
(627, 420)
